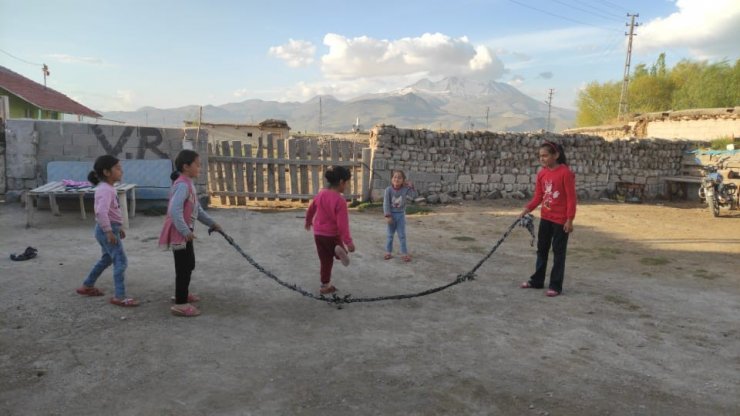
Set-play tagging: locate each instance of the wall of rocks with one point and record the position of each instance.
(31, 144)
(475, 165)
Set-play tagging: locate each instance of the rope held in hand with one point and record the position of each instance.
(525, 222)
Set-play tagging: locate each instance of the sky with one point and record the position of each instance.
(123, 55)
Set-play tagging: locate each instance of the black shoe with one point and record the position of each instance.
(27, 255)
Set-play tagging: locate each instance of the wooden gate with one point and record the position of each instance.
(286, 170)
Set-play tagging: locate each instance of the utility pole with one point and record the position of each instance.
(45, 70)
(549, 108)
(623, 101)
(321, 115)
(488, 109)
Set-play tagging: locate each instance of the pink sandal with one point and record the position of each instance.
(127, 302)
(186, 310)
(89, 291)
(192, 298)
(552, 293)
(325, 290)
(388, 256)
(406, 258)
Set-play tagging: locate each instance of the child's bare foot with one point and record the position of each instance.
(388, 256)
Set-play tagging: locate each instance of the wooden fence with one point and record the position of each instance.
(238, 173)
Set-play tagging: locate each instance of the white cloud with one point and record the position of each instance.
(348, 88)
(296, 53)
(707, 28)
(241, 92)
(69, 59)
(433, 54)
(516, 80)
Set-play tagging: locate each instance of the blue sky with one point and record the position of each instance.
(122, 55)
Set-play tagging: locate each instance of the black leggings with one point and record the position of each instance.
(550, 234)
(184, 266)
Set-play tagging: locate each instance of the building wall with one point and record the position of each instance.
(474, 165)
(32, 144)
(694, 129)
(20, 108)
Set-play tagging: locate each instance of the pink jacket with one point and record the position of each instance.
(329, 216)
(169, 235)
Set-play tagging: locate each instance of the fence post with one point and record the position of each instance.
(281, 166)
(315, 176)
(220, 172)
(259, 170)
(239, 174)
(228, 172)
(270, 164)
(292, 150)
(250, 169)
(366, 182)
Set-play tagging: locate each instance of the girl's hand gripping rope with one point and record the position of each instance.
(527, 221)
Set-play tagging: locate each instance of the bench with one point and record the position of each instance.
(144, 179)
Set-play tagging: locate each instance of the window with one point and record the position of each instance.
(249, 134)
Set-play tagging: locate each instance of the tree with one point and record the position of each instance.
(598, 103)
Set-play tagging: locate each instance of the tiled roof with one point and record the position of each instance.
(41, 96)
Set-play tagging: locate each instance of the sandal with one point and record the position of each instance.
(186, 310)
(325, 290)
(552, 293)
(388, 256)
(192, 298)
(406, 258)
(27, 255)
(127, 302)
(342, 255)
(528, 285)
(89, 291)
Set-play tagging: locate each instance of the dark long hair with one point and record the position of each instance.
(553, 148)
(185, 157)
(334, 174)
(102, 163)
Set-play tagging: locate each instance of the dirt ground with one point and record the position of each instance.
(647, 324)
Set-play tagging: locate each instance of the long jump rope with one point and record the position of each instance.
(526, 221)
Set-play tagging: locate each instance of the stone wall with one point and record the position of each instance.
(474, 165)
(31, 144)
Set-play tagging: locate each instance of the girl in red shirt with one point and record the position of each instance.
(556, 191)
(330, 220)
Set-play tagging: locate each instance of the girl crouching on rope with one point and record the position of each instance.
(330, 220)
(178, 230)
(556, 191)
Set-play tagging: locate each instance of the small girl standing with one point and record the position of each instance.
(394, 208)
(178, 230)
(556, 191)
(330, 220)
(108, 231)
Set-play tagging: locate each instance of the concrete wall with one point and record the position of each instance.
(696, 124)
(473, 165)
(31, 144)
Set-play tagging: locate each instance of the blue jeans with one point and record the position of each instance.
(397, 226)
(112, 254)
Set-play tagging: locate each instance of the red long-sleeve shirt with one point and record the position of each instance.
(329, 216)
(556, 191)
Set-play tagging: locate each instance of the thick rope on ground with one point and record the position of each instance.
(525, 222)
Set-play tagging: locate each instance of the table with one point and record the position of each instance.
(53, 189)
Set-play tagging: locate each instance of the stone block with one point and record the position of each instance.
(495, 177)
(464, 179)
(509, 179)
(479, 178)
(522, 178)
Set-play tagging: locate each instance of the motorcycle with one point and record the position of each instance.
(716, 193)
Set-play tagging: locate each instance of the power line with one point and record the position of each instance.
(20, 59)
(612, 5)
(586, 11)
(553, 14)
(600, 10)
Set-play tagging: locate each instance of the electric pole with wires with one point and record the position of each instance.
(623, 97)
(549, 108)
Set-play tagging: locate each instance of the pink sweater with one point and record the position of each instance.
(329, 216)
(106, 206)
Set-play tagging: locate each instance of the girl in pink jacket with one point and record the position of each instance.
(330, 220)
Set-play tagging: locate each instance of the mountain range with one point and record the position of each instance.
(452, 103)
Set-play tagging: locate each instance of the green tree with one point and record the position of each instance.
(598, 103)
